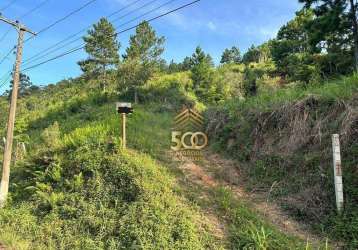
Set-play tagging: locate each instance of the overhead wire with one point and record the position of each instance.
(82, 46)
(51, 25)
(62, 19)
(59, 21)
(8, 5)
(28, 61)
(7, 55)
(39, 54)
(4, 82)
(23, 16)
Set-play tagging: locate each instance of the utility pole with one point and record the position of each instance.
(4, 187)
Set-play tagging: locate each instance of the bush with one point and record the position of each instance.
(175, 89)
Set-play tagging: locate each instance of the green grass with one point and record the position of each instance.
(283, 139)
(85, 193)
(248, 230)
(340, 89)
(77, 190)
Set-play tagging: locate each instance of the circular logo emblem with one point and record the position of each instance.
(198, 140)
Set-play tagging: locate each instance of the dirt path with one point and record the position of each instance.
(196, 179)
(215, 171)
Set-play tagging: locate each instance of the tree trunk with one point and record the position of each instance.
(355, 31)
(104, 79)
(135, 96)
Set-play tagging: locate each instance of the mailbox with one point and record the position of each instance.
(124, 108)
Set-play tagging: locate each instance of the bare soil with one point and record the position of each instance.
(215, 171)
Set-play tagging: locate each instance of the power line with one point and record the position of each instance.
(5, 78)
(25, 15)
(50, 48)
(132, 20)
(33, 9)
(146, 13)
(58, 21)
(8, 5)
(48, 27)
(6, 56)
(3, 83)
(5, 34)
(62, 19)
(125, 30)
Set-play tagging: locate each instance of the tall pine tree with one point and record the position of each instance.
(142, 58)
(102, 47)
(25, 86)
(202, 74)
(232, 55)
(336, 20)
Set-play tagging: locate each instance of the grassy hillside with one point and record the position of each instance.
(75, 188)
(282, 140)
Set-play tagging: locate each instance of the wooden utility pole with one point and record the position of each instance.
(4, 187)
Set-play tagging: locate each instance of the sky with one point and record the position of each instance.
(213, 25)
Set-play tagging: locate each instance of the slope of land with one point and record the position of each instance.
(282, 141)
(76, 189)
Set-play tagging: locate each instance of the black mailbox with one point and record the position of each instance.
(124, 108)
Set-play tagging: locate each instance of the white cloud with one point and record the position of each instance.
(211, 26)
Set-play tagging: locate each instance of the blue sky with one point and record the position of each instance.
(214, 25)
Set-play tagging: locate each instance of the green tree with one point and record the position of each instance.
(187, 64)
(202, 75)
(25, 86)
(252, 55)
(199, 57)
(142, 58)
(232, 55)
(335, 26)
(292, 43)
(102, 47)
(174, 67)
(250, 81)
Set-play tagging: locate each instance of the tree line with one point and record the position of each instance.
(320, 42)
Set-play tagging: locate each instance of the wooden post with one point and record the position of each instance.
(4, 187)
(337, 166)
(124, 140)
(124, 108)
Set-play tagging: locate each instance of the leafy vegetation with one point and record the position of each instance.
(77, 189)
(272, 108)
(284, 139)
